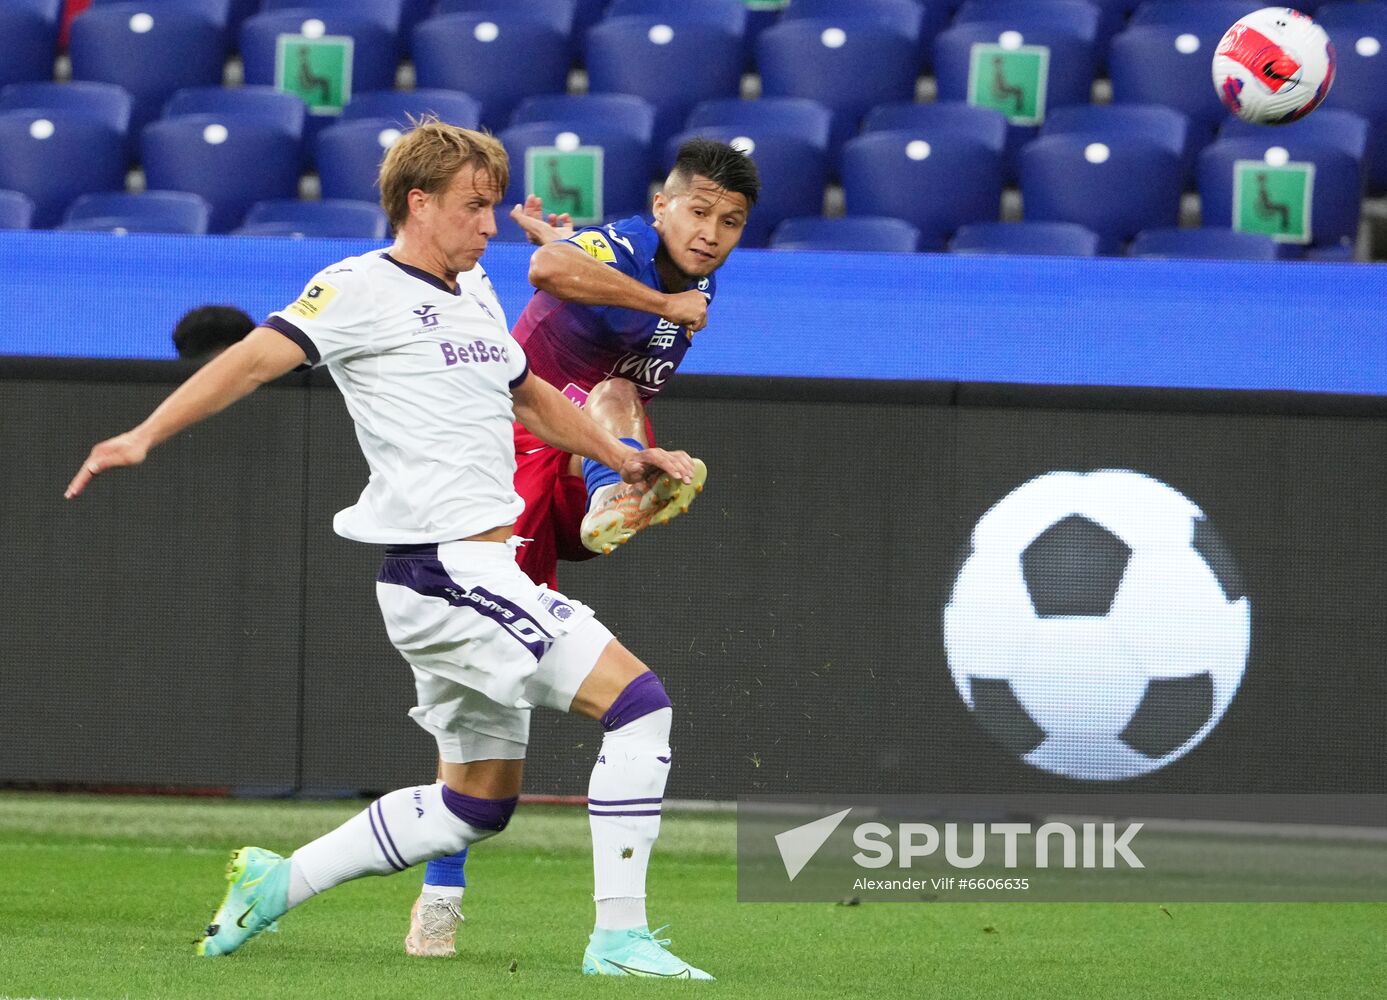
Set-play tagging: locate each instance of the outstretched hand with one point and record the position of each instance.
(113, 453)
(648, 465)
(530, 217)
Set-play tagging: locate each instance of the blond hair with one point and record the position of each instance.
(428, 156)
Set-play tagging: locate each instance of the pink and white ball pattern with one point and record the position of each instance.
(1274, 66)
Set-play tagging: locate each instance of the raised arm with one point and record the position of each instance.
(551, 417)
(263, 356)
(568, 272)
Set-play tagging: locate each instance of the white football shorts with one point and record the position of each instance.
(486, 644)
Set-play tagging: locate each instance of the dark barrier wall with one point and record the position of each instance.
(195, 621)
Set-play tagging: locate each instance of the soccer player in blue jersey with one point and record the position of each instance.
(615, 310)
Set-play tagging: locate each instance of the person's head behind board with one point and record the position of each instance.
(702, 209)
(439, 186)
(203, 333)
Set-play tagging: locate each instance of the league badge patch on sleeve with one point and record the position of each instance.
(315, 298)
(596, 246)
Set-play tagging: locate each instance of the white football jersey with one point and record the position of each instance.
(427, 374)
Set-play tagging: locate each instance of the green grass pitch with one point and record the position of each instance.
(103, 897)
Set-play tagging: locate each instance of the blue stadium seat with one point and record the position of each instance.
(374, 52)
(558, 14)
(626, 169)
(103, 101)
(216, 11)
(1331, 126)
(149, 53)
(329, 218)
(1210, 244)
(624, 111)
(1069, 74)
(16, 210)
(50, 10)
(1194, 15)
(1170, 65)
(1336, 197)
(349, 156)
(1074, 17)
(231, 162)
(651, 59)
(28, 41)
(937, 180)
(1359, 32)
(53, 156)
(855, 232)
(796, 115)
(1032, 239)
(730, 15)
(1115, 188)
(451, 106)
(498, 60)
(984, 124)
(793, 173)
(849, 66)
(921, 20)
(150, 212)
(259, 103)
(387, 13)
(1105, 121)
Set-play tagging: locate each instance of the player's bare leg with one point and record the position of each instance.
(617, 510)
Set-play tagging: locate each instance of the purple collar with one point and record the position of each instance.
(423, 275)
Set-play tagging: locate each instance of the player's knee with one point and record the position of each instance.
(485, 816)
(614, 391)
(642, 697)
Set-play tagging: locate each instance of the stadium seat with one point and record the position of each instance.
(624, 111)
(216, 11)
(1074, 17)
(921, 20)
(329, 218)
(1102, 122)
(1336, 186)
(730, 15)
(1115, 188)
(451, 106)
(847, 66)
(498, 60)
(258, 103)
(626, 170)
(855, 232)
(28, 41)
(150, 53)
(651, 59)
(53, 156)
(984, 124)
(1194, 15)
(793, 173)
(50, 10)
(16, 210)
(1170, 65)
(796, 115)
(398, 16)
(349, 156)
(558, 14)
(104, 101)
(374, 56)
(1034, 239)
(1068, 71)
(150, 212)
(1359, 31)
(1331, 126)
(935, 179)
(1211, 244)
(231, 162)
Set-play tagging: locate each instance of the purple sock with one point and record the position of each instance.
(642, 696)
(484, 814)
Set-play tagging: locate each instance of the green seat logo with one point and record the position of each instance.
(317, 69)
(569, 179)
(1274, 200)
(1010, 79)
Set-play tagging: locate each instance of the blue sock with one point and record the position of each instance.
(597, 475)
(447, 870)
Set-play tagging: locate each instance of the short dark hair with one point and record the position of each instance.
(208, 329)
(725, 165)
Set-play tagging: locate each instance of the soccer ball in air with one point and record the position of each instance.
(1274, 66)
(1098, 627)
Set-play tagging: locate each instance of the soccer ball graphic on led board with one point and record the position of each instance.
(1274, 66)
(1097, 628)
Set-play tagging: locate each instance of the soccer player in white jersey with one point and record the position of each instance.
(418, 344)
